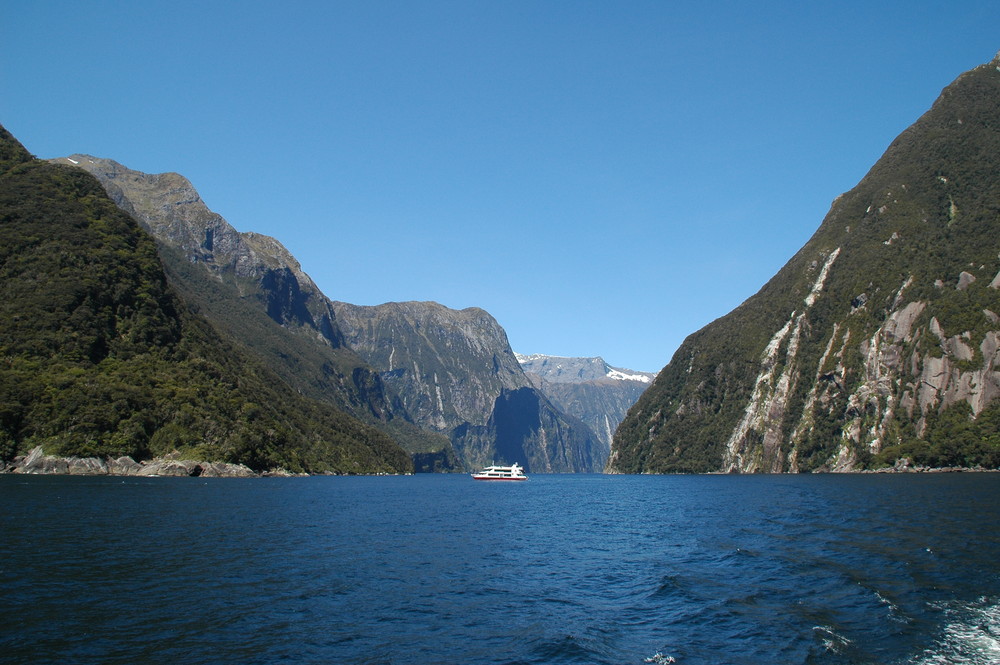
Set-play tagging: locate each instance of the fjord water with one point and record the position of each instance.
(558, 569)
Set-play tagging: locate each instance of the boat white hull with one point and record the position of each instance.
(478, 477)
(501, 472)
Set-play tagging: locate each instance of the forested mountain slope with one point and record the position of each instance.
(100, 356)
(252, 288)
(879, 339)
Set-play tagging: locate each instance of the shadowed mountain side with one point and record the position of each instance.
(588, 389)
(599, 403)
(457, 375)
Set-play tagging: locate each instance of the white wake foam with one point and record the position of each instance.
(971, 636)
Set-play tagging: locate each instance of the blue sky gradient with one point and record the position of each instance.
(604, 178)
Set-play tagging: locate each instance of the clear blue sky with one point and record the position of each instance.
(604, 178)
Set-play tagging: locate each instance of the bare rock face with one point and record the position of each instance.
(448, 365)
(226, 470)
(457, 375)
(123, 466)
(38, 463)
(177, 468)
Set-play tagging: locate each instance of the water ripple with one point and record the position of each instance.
(562, 569)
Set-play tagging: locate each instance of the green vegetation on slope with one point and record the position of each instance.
(333, 375)
(928, 211)
(252, 291)
(98, 356)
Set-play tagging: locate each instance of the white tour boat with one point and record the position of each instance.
(513, 472)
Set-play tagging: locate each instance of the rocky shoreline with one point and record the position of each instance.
(905, 465)
(38, 463)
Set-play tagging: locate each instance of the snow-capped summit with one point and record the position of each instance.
(558, 369)
(588, 388)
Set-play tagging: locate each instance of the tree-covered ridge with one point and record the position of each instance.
(876, 341)
(253, 291)
(98, 355)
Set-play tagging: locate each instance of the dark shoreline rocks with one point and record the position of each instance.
(38, 463)
(905, 465)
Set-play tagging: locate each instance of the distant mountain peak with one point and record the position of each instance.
(587, 388)
(562, 369)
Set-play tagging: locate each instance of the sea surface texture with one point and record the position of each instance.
(559, 569)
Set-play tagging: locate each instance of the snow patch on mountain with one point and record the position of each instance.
(626, 376)
(562, 369)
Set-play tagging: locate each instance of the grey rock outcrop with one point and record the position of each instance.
(38, 463)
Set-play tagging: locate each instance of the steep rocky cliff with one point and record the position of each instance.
(249, 285)
(457, 375)
(878, 340)
(589, 389)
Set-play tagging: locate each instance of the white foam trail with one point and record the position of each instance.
(832, 641)
(970, 637)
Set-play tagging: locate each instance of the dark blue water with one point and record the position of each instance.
(559, 569)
